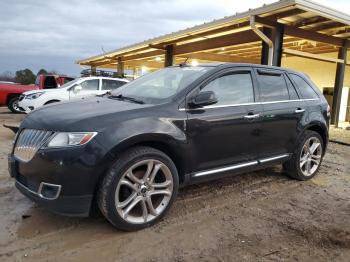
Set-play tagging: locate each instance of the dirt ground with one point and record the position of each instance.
(260, 216)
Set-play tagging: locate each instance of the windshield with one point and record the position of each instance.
(161, 85)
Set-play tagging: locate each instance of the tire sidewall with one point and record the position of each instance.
(11, 103)
(117, 171)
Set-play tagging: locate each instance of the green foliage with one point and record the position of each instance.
(25, 77)
(42, 72)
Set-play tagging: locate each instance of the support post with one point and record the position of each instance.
(278, 45)
(93, 71)
(169, 55)
(120, 68)
(265, 47)
(339, 83)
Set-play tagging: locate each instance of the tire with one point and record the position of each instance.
(13, 105)
(119, 190)
(298, 166)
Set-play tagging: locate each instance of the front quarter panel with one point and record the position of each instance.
(164, 125)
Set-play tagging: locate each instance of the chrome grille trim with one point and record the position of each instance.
(28, 143)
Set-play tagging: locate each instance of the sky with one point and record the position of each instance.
(54, 34)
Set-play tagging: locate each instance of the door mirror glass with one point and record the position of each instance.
(204, 98)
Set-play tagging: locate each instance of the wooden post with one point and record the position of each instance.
(93, 70)
(339, 83)
(120, 68)
(169, 55)
(278, 45)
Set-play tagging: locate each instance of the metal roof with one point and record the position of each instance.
(301, 13)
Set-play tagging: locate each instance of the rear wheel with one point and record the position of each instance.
(307, 158)
(138, 189)
(13, 105)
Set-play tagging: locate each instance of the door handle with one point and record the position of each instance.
(252, 116)
(299, 110)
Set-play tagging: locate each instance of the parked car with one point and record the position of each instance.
(10, 92)
(131, 150)
(7, 82)
(77, 89)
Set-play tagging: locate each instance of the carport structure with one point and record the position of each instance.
(266, 35)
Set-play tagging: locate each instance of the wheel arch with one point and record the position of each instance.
(52, 101)
(162, 142)
(10, 96)
(321, 129)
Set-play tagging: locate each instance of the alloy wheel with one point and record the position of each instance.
(144, 191)
(310, 156)
(15, 106)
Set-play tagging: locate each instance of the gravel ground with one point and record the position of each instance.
(259, 216)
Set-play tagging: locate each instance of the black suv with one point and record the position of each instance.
(129, 151)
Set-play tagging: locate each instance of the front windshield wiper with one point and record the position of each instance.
(122, 97)
(104, 94)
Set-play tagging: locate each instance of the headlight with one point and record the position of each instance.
(62, 139)
(34, 96)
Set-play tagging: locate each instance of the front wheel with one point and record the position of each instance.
(138, 189)
(307, 157)
(13, 105)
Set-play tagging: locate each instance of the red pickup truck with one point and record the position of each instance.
(10, 92)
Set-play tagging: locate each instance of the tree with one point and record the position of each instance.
(7, 76)
(25, 77)
(42, 72)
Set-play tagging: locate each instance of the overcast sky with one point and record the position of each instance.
(54, 34)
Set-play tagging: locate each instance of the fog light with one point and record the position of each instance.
(49, 191)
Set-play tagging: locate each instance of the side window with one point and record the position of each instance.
(111, 84)
(291, 89)
(232, 89)
(272, 87)
(306, 90)
(90, 85)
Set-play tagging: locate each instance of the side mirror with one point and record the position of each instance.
(204, 99)
(77, 89)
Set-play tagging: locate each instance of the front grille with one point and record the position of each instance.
(28, 143)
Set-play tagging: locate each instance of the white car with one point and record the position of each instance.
(77, 89)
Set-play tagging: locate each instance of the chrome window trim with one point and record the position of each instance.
(247, 104)
(228, 168)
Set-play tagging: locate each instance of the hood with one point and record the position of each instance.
(44, 91)
(94, 114)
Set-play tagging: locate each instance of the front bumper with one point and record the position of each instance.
(63, 205)
(26, 105)
(63, 180)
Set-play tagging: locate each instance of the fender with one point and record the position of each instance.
(320, 127)
(164, 134)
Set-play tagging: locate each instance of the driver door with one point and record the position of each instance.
(85, 89)
(226, 133)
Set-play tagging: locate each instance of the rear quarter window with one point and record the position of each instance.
(306, 91)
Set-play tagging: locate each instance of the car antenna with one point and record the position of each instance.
(185, 62)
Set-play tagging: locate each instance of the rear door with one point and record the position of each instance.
(110, 85)
(282, 113)
(224, 134)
